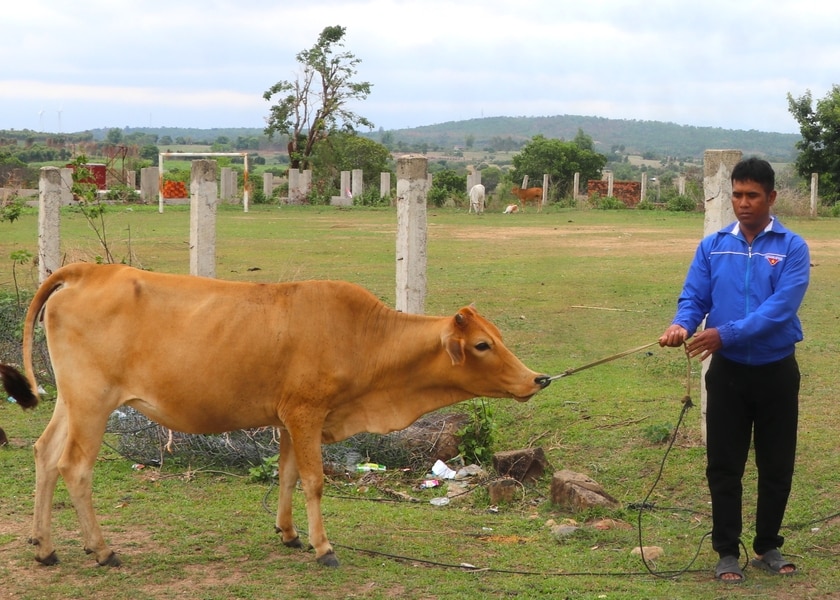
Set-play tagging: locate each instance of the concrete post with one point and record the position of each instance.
(149, 182)
(268, 185)
(345, 192)
(358, 183)
(544, 199)
(294, 186)
(717, 190)
(610, 179)
(681, 185)
(384, 185)
(228, 186)
(643, 192)
(66, 186)
(576, 186)
(131, 179)
(49, 236)
(203, 218)
(306, 181)
(815, 190)
(412, 186)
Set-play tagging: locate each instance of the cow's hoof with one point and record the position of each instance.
(48, 561)
(328, 560)
(112, 561)
(296, 543)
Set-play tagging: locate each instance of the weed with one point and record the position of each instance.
(479, 434)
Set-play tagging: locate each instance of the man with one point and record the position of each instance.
(748, 281)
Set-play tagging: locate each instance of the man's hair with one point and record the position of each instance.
(755, 169)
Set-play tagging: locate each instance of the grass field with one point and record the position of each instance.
(566, 287)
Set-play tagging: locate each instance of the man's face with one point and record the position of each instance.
(751, 204)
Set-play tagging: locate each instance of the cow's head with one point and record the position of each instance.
(485, 365)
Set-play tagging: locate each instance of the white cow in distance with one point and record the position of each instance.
(476, 199)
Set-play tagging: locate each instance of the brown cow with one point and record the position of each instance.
(531, 194)
(320, 360)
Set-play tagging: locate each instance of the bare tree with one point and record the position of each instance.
(316, 102)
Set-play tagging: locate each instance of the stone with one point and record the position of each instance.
(526, 466)
(578, 492)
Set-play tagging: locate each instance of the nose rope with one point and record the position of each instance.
(574, 370)
(686, 400)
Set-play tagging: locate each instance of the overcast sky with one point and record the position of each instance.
(71, 66)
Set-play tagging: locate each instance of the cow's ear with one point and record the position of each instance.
(452, 342)
(455, 349)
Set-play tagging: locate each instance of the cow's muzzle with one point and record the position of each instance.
(543, 381)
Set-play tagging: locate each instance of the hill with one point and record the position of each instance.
(655, 138)
(637, 137)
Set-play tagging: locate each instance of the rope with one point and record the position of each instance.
(572, 371)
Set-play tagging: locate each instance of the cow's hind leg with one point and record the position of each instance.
(48, 450)
(84, 439)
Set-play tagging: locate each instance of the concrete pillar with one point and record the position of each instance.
(643, 192)
(203, 218)
(49, 236)
(131, 179)
(544, 199)
(412, 186)
(268, 185)
(345, 185)
(294, 186)
(681, 185)
(149, 182)
(66, 186)
(384, 185)
(815, 190)
(228, 186)
(576, 186)
(610, 179)
(717, 190)
(358, 183)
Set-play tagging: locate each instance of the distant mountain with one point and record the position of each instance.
(637, 137)
(655, 138)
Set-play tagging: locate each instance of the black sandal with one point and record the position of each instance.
(773, 562)
(729, 565)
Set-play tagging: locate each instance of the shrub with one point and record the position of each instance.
(479, 434)
(608, 203)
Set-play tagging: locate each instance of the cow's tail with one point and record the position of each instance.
(25, 389)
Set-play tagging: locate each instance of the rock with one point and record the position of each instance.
(578, 492)
(502, 490)
(525, 466)
(563, 531)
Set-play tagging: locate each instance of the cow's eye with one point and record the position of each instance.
(482, 346)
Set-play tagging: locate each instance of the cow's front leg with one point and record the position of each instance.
(287, 473)
(307, 448)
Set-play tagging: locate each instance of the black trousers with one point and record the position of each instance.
(744, 403)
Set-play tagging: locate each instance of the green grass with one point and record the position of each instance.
(566, 288)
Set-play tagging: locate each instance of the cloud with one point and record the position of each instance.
(717, 63)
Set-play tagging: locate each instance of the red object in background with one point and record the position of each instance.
(97, 171)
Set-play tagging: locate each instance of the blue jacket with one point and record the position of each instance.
(749, 293)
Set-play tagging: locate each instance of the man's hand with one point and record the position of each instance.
(673, 337)
(704, 344)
